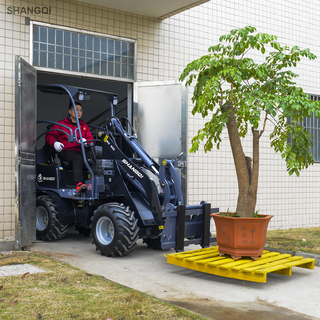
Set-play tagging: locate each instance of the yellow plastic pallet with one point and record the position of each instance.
(208, 260)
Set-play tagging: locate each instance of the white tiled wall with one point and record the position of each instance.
(293, 201)
(163, 50)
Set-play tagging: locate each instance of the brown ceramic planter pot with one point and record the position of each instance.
(241, 237)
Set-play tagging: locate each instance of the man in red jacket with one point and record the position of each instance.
(71, 151)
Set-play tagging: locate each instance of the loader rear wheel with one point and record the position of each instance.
(114, 229)
(48, 226)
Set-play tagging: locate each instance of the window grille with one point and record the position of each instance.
(81, 52)
(312, 124)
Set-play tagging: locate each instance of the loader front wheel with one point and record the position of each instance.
(48, 226)
(114, 229)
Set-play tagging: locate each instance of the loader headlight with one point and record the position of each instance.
(115, 101)
(80, 95)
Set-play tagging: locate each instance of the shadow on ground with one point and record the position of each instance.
(259, 309)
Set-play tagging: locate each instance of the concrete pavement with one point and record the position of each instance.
(296, 297)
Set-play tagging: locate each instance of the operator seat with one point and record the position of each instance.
(47, 155)
(52, 156)
(57, 162)
(93, 153)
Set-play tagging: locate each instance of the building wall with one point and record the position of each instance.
(163, 50)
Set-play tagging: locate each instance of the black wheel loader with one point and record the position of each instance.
(129, 195)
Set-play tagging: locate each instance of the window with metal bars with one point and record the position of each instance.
(312, 124)
(80, 52)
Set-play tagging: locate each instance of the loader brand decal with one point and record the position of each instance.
(41, 178)
(132, 168)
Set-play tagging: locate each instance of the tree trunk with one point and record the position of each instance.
(247, 173)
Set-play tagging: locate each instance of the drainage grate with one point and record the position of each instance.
(208, 260)
(19, 269)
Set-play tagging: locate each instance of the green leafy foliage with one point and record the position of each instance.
(229, 214)
(257, 92)
(256, 214)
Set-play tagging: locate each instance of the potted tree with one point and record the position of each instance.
(235, 92)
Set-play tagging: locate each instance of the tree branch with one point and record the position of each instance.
(255, 160)
(249, 166)
(221, 97)
(237, 151)
(276, 124)
(246, 52)
(264, 124)
(232, 86)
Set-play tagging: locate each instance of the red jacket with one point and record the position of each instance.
(53, 136)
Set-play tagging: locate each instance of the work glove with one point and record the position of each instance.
(84, 141)
(58, 146)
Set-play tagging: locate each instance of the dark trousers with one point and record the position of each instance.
(76, 160)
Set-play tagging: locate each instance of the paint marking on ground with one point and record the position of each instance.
(19, 269)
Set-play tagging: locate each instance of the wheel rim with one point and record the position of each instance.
(105, 230)
(42, 218)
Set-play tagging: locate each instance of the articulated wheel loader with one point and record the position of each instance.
(129, 195)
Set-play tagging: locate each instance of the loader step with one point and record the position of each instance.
(209, 261)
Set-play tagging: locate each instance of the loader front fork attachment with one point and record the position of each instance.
(186, 225)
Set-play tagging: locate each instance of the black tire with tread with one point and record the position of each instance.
(125, 225)
(54, 230)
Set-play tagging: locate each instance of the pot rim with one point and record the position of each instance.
(260, 216)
